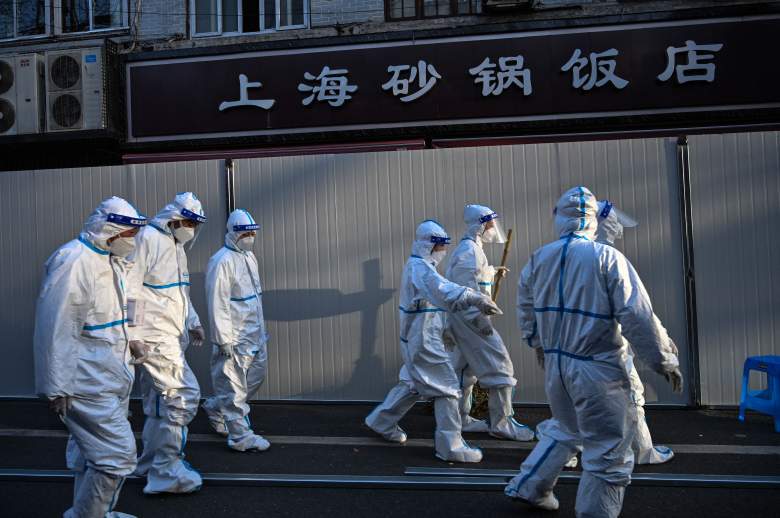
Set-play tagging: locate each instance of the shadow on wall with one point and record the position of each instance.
(298, 305)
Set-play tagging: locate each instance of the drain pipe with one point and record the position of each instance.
(686, 218)
(230, 185)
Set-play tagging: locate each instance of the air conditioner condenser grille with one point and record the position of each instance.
(65, 72)
(6, 76)
(7, 115)
(66, 110)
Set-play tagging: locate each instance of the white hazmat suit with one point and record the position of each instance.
(239, 357)
(610, 229)
(425, 296)
(82, 355)
(476, 356)
(170, 391)
(574, 298)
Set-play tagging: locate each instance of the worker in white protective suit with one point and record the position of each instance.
(476, 356)
(425, 296)
(611, 223)
(239, 357)
(83, 357)
(164, 318)
(575, 296)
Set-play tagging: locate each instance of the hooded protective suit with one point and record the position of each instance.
(238, 335)
(574, 298)
(170, 391)
(82, 354)
(611, 223)
(425, 296)
(477, 356)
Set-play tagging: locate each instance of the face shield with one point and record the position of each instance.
(624, 219)
(188, 234)
(493, 230)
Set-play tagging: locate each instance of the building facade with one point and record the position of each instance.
(50, 121)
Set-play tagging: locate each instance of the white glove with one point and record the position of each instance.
(226, 350)
(501, 271)
(139, 351)
(483, 303)
(539, 356)
(675, 379)
(197, 336)
(59, 405)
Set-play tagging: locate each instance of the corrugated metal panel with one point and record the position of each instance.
(41, 210)
(337, 230)
(735, 185)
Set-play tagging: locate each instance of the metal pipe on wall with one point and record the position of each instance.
(230, 184)
(684, 176)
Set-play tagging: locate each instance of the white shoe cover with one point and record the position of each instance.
(251, 443)
(216, 421)
(464, 453)
(572, 463)
(474, 425)
(502, 424)
(548, 502)
(448, 441)
(656, 455)
(397, 434)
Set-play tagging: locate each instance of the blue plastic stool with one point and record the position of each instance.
(764, 401)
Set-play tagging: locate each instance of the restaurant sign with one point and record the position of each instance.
(672, 67)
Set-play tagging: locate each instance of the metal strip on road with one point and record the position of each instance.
(489, 444)
(419, 478)
(320, 481)
(637, 479)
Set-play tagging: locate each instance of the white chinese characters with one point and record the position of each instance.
(510, 72)
(333, 87)
(694, 70)
(244, 99)
(594, 71)
(424, 72)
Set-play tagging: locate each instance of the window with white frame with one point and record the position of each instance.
(231, 17)
(23, 18)
(91, 15)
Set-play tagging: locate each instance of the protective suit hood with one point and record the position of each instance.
(112, 216)
(575, 213)
(429, 233)
(475, 217)
(184, 206)
(611, 223)
(239, 222)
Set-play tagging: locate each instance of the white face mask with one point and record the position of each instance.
(246, 243)
(438, 257)
(122, 246)
(183, 234)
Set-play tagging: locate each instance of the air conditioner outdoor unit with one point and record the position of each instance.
(22, 104)
(76, 84)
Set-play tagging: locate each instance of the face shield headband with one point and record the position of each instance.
(129, 221)
(193, 216)
(246, 228)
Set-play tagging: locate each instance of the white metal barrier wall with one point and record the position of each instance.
(735, 202)
(41, 210)
(336, 231)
